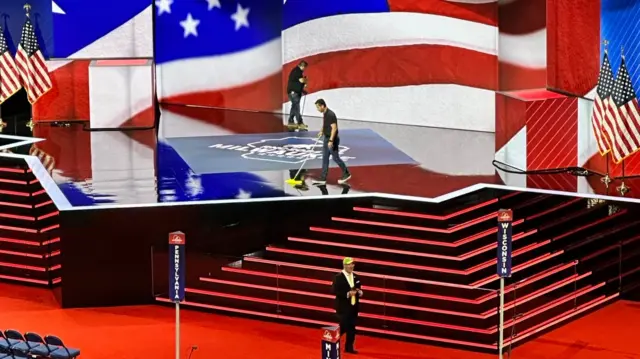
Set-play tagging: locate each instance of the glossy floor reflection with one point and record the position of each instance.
(138, 167)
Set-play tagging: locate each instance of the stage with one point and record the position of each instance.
(99, 205)
(240, 155)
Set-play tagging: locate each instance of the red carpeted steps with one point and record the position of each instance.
(29, 242)
(430, 274)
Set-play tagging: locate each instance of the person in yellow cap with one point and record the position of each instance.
(348, 290)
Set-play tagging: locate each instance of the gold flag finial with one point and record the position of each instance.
(2, 125)
(623, 189)
(31, 125)
(27, 8)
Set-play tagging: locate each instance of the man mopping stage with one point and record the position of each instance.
(330, 144)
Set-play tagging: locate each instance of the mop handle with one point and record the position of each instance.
(304, 103)
(305, 160)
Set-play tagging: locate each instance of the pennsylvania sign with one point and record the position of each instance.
(282, 151)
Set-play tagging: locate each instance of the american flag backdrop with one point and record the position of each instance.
(221, 53)
(9, 75)
(236, 51)
(624, 113)
(31, 64)
(230, 54)
(397, 61)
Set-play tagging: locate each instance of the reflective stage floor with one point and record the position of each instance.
(203, 154)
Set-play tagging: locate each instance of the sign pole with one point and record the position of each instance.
(501, 328)
(177, 258)
(177, 330)
(505, 224)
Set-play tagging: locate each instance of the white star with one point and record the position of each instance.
(164, 6)
(56, 9)
(214, 3)
(242, 194)
(190, 26)
(193, 185)
(241, 17)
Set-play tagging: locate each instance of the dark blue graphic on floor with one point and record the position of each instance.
(178, 183)
(282, 151)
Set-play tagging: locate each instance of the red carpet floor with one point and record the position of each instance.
(147, 332)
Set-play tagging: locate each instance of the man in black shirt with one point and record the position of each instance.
(295, 89)
(330, 144)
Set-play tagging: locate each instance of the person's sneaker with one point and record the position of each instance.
(302, 126)
(319, 182)
(292, 124)
(344, 179)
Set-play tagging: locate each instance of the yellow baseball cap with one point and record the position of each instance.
(347, 260)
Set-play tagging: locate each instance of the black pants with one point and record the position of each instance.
(348, 326)
(295, 107)
(335, 154)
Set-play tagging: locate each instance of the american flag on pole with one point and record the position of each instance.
(9, 76)
(31, 63)
(601, 128)
(623, 111)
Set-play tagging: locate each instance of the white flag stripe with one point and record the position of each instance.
(9, 76)
(598, 123)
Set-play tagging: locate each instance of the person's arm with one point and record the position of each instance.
(339, 290)
(358, 287)
(334, 130)
(300, 75)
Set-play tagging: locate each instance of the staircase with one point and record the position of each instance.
(430, 274)
(29, 222)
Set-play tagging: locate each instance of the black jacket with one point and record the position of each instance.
(340, 288)
(294, 84)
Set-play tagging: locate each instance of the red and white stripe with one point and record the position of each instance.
(600, 124)
(431, 63)
(625, 122)
(34, 75)
(522, 44)
(9, 75)
(47, 161)
(33, 70)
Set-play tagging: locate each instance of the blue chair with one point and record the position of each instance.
(61, 351)
(17, 346)
(5, 344)
(18, 343)
(37, 345)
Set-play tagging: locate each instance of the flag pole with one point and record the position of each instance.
(623, 189)
(27, 9)
(606, 179)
